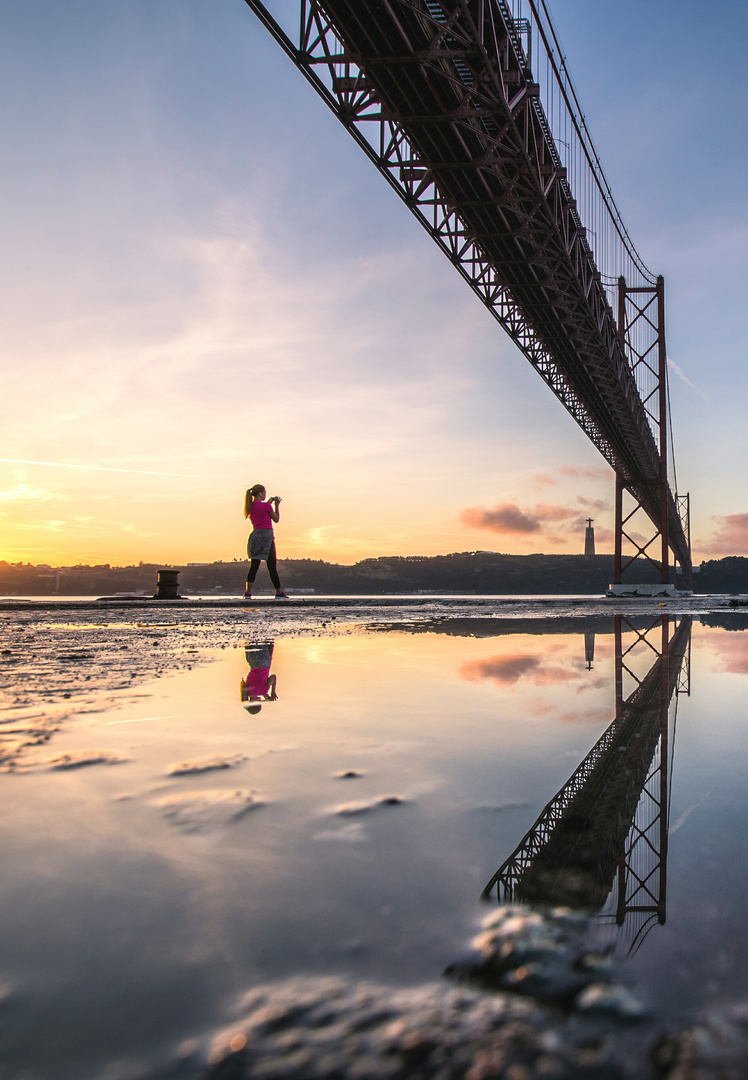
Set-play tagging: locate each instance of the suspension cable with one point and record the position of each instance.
(670, 427)
(585, 138)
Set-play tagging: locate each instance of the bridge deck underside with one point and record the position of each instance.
(470, 112)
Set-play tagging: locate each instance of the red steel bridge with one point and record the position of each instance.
(468, 110)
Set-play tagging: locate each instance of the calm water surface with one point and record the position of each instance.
(139, 898)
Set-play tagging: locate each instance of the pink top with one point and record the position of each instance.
(257, 682)
(259, 515)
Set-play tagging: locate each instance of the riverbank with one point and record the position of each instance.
(402, 604)
(475, 573)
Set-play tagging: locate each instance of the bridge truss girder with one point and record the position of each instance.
(440, 97)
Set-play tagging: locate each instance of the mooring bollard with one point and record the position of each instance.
(167, 583)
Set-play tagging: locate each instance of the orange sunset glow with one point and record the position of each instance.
(205, 287)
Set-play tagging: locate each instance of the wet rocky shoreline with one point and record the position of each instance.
(528, 1003)
(54, 650)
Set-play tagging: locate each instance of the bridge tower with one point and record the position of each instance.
(641, 332)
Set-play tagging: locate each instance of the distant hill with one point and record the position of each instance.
(464, 572)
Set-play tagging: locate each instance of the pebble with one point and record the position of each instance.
(192, 768)
(530, 954)
(617, 1000)
(199, 811)
(350, 809)
(81, 758)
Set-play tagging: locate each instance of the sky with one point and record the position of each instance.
(204, 285)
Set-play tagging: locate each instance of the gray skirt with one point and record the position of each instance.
(259, 543)
(259, 656)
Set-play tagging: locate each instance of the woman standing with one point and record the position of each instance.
(261, 544)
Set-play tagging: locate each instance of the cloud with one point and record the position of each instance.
(684, 378)
(590, 716)
(95, 468)
(508, 670)
(319, 535)
(546, 526)
(547, 479)
(55, 525)
(504, 518)
(731, 650)
(730, 538)
(542, 479)
(25, 493)
(593, 504)
(557, 512)
(509, 518)
(586, 474)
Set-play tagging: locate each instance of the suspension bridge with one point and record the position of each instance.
(468, 110)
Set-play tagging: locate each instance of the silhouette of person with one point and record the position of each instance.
(262, 512)
(259, 685)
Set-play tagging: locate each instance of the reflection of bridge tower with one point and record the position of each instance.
(607, 827)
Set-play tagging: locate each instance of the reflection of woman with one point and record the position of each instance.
(259, 685)
(261, 543)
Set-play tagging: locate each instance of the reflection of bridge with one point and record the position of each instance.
(467, 109)
(608, 825)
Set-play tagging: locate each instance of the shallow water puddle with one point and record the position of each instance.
(168, 846)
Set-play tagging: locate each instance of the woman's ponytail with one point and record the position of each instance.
(251, 495)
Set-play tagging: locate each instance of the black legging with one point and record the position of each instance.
(254, 566)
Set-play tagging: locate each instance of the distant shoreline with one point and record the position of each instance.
(468, 573)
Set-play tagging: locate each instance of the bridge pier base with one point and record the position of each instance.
(629, 588)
